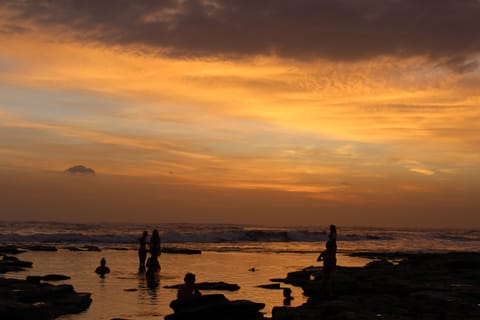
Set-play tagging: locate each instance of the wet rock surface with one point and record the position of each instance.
(215, 306)
(13, 264)
(396, 286)
(219, 286)
(22, 299)
(175, 250)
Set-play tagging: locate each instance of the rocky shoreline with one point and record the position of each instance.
(24, 299)
(394, 287)
(33, 298)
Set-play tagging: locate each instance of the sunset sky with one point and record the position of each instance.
(276, 112)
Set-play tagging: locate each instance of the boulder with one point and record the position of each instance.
(12, 264)
(215, 306)
(395, 286)
(21, 299)
(10, 249)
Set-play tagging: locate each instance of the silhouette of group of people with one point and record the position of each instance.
(150, 265)
(329, 258)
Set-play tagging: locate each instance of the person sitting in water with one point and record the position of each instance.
(188, 290)
(102, 269)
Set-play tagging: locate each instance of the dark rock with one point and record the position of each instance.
(48, 277)
(10, 249)
(92, 248)
(215, 306)
(180, 250)
(219, 286)
(379, 264)
(55, 277)
(270, 286)
(41, 248)
(416, 286)
(12, 264)
(21, 299)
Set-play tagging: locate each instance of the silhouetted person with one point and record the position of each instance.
(332, 235)
(329, 259)
(287, 296)
(102, 269)
(189, 289)
(142, 251)
(155, 244)
(152, 266)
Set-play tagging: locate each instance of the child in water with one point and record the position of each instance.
(102, 269)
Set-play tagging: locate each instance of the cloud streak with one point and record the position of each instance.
(308, 29)
(80, 169)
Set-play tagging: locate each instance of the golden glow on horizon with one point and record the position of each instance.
(340, 132)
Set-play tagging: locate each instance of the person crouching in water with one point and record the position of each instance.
(329, 259)
(189, 289)
(102, 269)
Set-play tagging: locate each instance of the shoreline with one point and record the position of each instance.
(394, 286)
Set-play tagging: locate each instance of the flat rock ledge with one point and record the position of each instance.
(213, 307)
(218, 286)
(25, 300)
(13, 264)
(394, 287)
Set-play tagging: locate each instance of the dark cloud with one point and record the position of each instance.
(331, 29)
(79, 169)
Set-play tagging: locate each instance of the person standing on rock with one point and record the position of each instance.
(142, 251)
(329, 259)
(332, 235)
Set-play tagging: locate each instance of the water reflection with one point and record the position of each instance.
(148, 288)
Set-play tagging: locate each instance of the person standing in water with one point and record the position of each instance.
(142, 251)
(155, 247)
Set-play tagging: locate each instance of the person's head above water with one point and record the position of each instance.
(103, 262)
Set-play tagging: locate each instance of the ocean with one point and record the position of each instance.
(229, 252)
